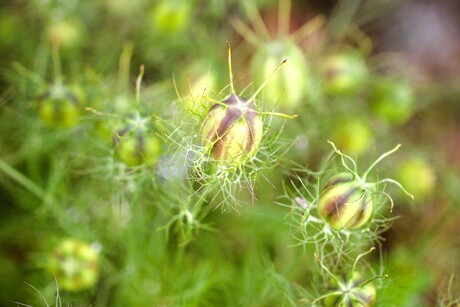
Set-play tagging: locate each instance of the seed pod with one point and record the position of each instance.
(289, 86)
(65, 33)
(344, 203)
(137, 150)
(418, 176)
(170, 17)
(75, 264)
(354, 292)
(392, 100)
(344, 74)
(59, 107)
(135, 143)
(232, 130)
(352, 135)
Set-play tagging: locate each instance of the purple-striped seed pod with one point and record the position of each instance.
(345, 203)
(232, 130)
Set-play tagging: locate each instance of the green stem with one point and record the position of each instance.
(21, 179)
(56, 64)
(138, 85)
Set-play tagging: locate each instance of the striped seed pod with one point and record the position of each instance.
(232, 130)
(345, 203)
(75, 264)
(59, 107)
(351, 291)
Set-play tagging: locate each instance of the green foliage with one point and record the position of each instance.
(169, 187)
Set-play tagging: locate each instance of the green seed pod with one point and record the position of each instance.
(59, 107)
(344, 74)
(65, 33)
(354, 292)
(139, 150)
(418, 177)
(352, 135)
(135, 145)
(232, 130)
(392, 100)
(75, 264)
(289, 86)
(170, 17)
(344, 203)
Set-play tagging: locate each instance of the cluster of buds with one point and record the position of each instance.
(75, 264)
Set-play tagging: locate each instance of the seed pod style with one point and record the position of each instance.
(344, 74)
(232, 130)
(352, 291)
(59, 107)
(75, 264)
(345, 203)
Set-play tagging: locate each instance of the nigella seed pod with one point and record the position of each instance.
(232, 130)
(75, 264)
(135, 145)
(344, 74)
(345, 203)
(59, 107)
(351, 291)
(289, 86)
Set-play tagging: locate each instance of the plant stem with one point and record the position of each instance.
(21, 179)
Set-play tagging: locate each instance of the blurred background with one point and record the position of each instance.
(114, 229)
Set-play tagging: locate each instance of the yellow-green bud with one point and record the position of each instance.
(232, 131)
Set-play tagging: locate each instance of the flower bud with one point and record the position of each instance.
(232, 131)
(354, 291)
(345, 203)
(59, 107)
(75, 264)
